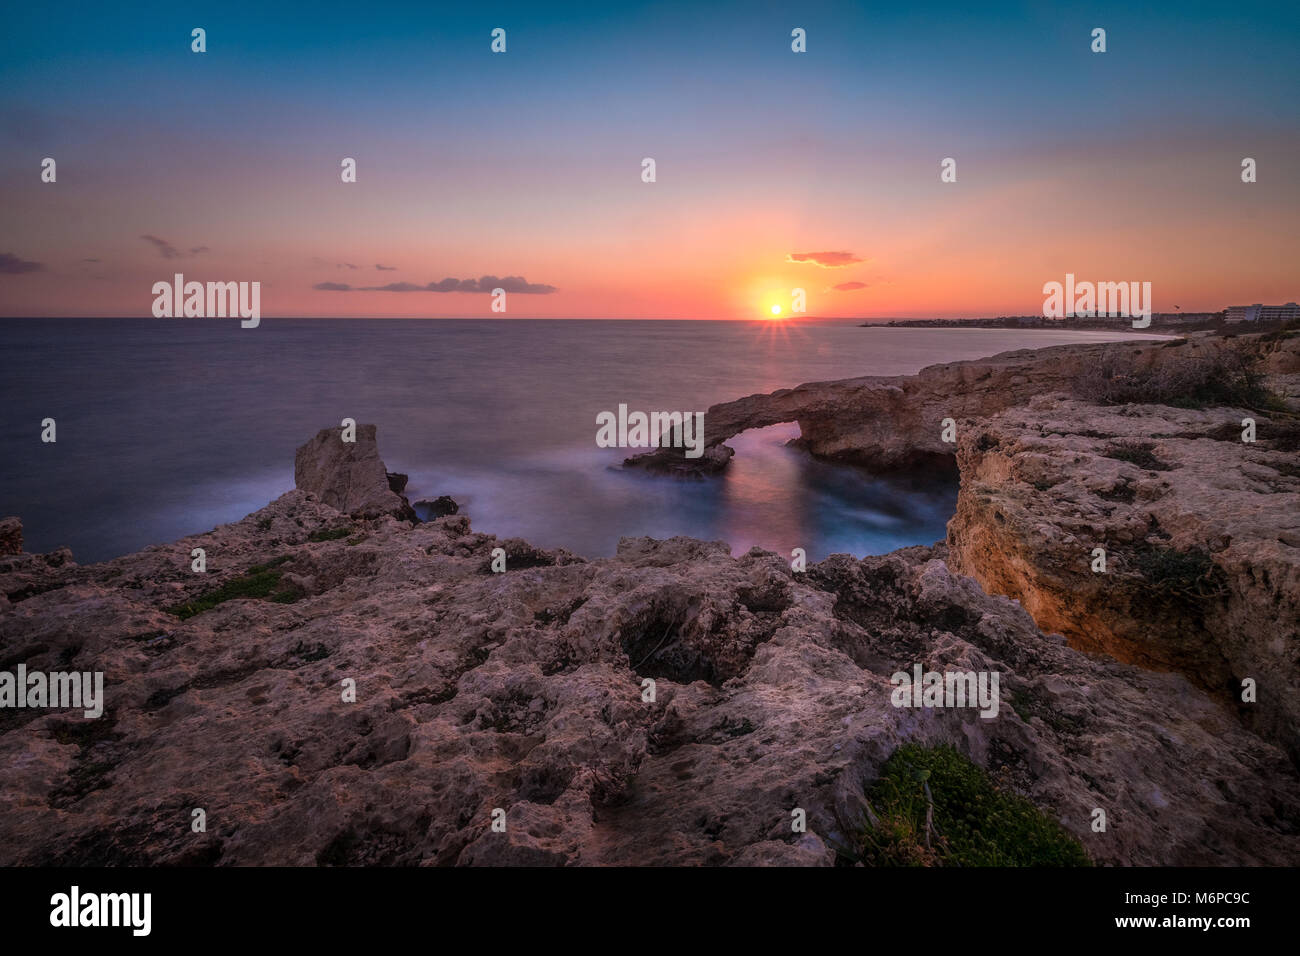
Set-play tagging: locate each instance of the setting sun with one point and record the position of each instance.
(776, 310)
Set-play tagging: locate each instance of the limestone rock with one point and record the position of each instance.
(1201, 532)
(524, 691)
(672, 704)
(11, 536)
(348, 476)
(897, 421)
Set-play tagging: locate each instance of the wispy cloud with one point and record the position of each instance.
(329, 264)
(849, 286)
(169, 251)
(516, 284)
(385, 268)
(827, 260)
(11, 265)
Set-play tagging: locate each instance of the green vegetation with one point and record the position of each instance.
(260, 581)
(332, 534)
(1227, 376)
(933, 807)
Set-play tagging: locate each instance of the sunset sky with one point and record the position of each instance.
(225, 165)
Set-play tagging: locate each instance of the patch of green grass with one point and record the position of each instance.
(261, 581)
(933, 807)
(330, 534)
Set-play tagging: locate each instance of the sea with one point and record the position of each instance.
(170, 427)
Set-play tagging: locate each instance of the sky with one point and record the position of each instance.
(774, 170)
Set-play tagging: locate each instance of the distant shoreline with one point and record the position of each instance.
(1167, 323)
(1159, 332)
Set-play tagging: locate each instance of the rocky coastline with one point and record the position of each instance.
(524, 690)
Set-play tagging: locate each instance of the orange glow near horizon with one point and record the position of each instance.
(675, 257)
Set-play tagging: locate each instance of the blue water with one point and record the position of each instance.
(170, 427)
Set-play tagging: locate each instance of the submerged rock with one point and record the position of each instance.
(439, 507)
(674, 463)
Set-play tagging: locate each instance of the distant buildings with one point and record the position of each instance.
(1189, 321)
(1263, 313)
(1184, 318)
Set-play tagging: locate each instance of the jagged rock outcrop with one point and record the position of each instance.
(674, 463)
(896, 421)
(349, 475)
(22, 575)
(439, 507)
(1201, 533)
(1201, 529)
(11, 536)
(524, 690)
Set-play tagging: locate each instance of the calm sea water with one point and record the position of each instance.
(167, 428)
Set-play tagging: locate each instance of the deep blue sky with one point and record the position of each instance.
(235, 148)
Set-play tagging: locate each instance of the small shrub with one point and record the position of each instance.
(330, 534)
(971, 822)
(1180, 574)
(1227, 376)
